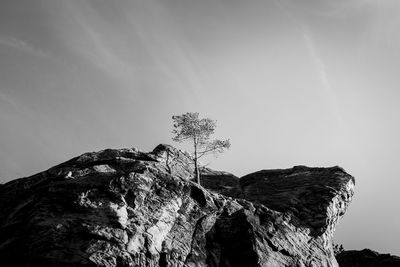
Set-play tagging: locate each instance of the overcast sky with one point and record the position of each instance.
(290, 82)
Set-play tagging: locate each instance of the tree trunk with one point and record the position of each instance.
(196, 172)
(196, 168)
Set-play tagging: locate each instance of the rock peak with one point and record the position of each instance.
(126, 207)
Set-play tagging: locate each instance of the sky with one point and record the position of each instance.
(290, 82)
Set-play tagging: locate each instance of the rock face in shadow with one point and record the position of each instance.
(220, 182)
(366, 258)
(130, 208)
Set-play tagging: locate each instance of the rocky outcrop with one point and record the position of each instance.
(130, 208)
(366, 258)
(221, 182)
(316, 197)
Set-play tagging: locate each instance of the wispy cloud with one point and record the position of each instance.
(20, 45)
(285, 7)
(163, 49)
(169, 50)
(9, 106)
(321, 72)
(104, 57)
(6, 99)
(319, 64)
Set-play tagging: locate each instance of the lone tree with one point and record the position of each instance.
(188, 127)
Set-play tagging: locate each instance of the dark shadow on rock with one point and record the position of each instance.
(231, 242)
(223, 183)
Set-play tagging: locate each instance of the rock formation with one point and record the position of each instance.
(366, 258)
(130, 208)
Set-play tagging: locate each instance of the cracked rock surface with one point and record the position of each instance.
(125, 207)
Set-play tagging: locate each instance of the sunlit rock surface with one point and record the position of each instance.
(130, 208)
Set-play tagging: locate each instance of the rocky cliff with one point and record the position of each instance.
(130, 208)
(366, 258)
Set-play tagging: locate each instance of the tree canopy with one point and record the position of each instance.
(189, 127)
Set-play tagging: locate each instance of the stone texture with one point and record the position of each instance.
(312, 195)
(130, 208)
(366, 258)
(221, 182)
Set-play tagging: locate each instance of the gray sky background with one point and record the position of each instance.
(291, 82)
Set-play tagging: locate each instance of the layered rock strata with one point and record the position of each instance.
(130, 208)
